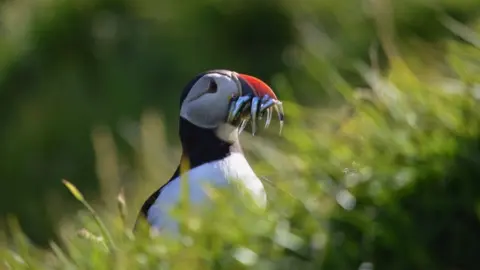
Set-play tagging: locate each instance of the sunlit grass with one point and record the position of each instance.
(329, 176)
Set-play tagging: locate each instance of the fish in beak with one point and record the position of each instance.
(257, 100)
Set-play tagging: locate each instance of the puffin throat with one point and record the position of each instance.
(202, 145)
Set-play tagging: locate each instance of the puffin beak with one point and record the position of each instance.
(256, 100)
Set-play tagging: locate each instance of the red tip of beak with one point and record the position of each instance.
(261, 89)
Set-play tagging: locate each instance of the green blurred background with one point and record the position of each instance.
(67, 67)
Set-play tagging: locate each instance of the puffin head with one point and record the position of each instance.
(207, 103)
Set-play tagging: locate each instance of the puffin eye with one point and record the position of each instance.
(212, 87)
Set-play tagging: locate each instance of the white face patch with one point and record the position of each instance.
(209, 109)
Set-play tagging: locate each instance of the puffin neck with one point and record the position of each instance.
(201, 145)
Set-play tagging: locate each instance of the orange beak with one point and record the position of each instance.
(256, 86)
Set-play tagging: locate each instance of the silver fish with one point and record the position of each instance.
(257, 107)
(269, 117)
(269, 103)
(239, 105)
(243, 124)
(279, 108)
(231, 108)
(254, 113)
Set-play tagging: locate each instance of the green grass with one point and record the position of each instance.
(375, 181)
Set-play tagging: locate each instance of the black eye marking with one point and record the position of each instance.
(212, 87)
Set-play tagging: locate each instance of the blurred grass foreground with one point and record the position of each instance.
(378, 166)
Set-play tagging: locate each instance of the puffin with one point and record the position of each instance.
(215, 107)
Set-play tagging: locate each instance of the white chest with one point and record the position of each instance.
(219, 173)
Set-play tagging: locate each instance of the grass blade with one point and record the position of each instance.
(105, 233)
